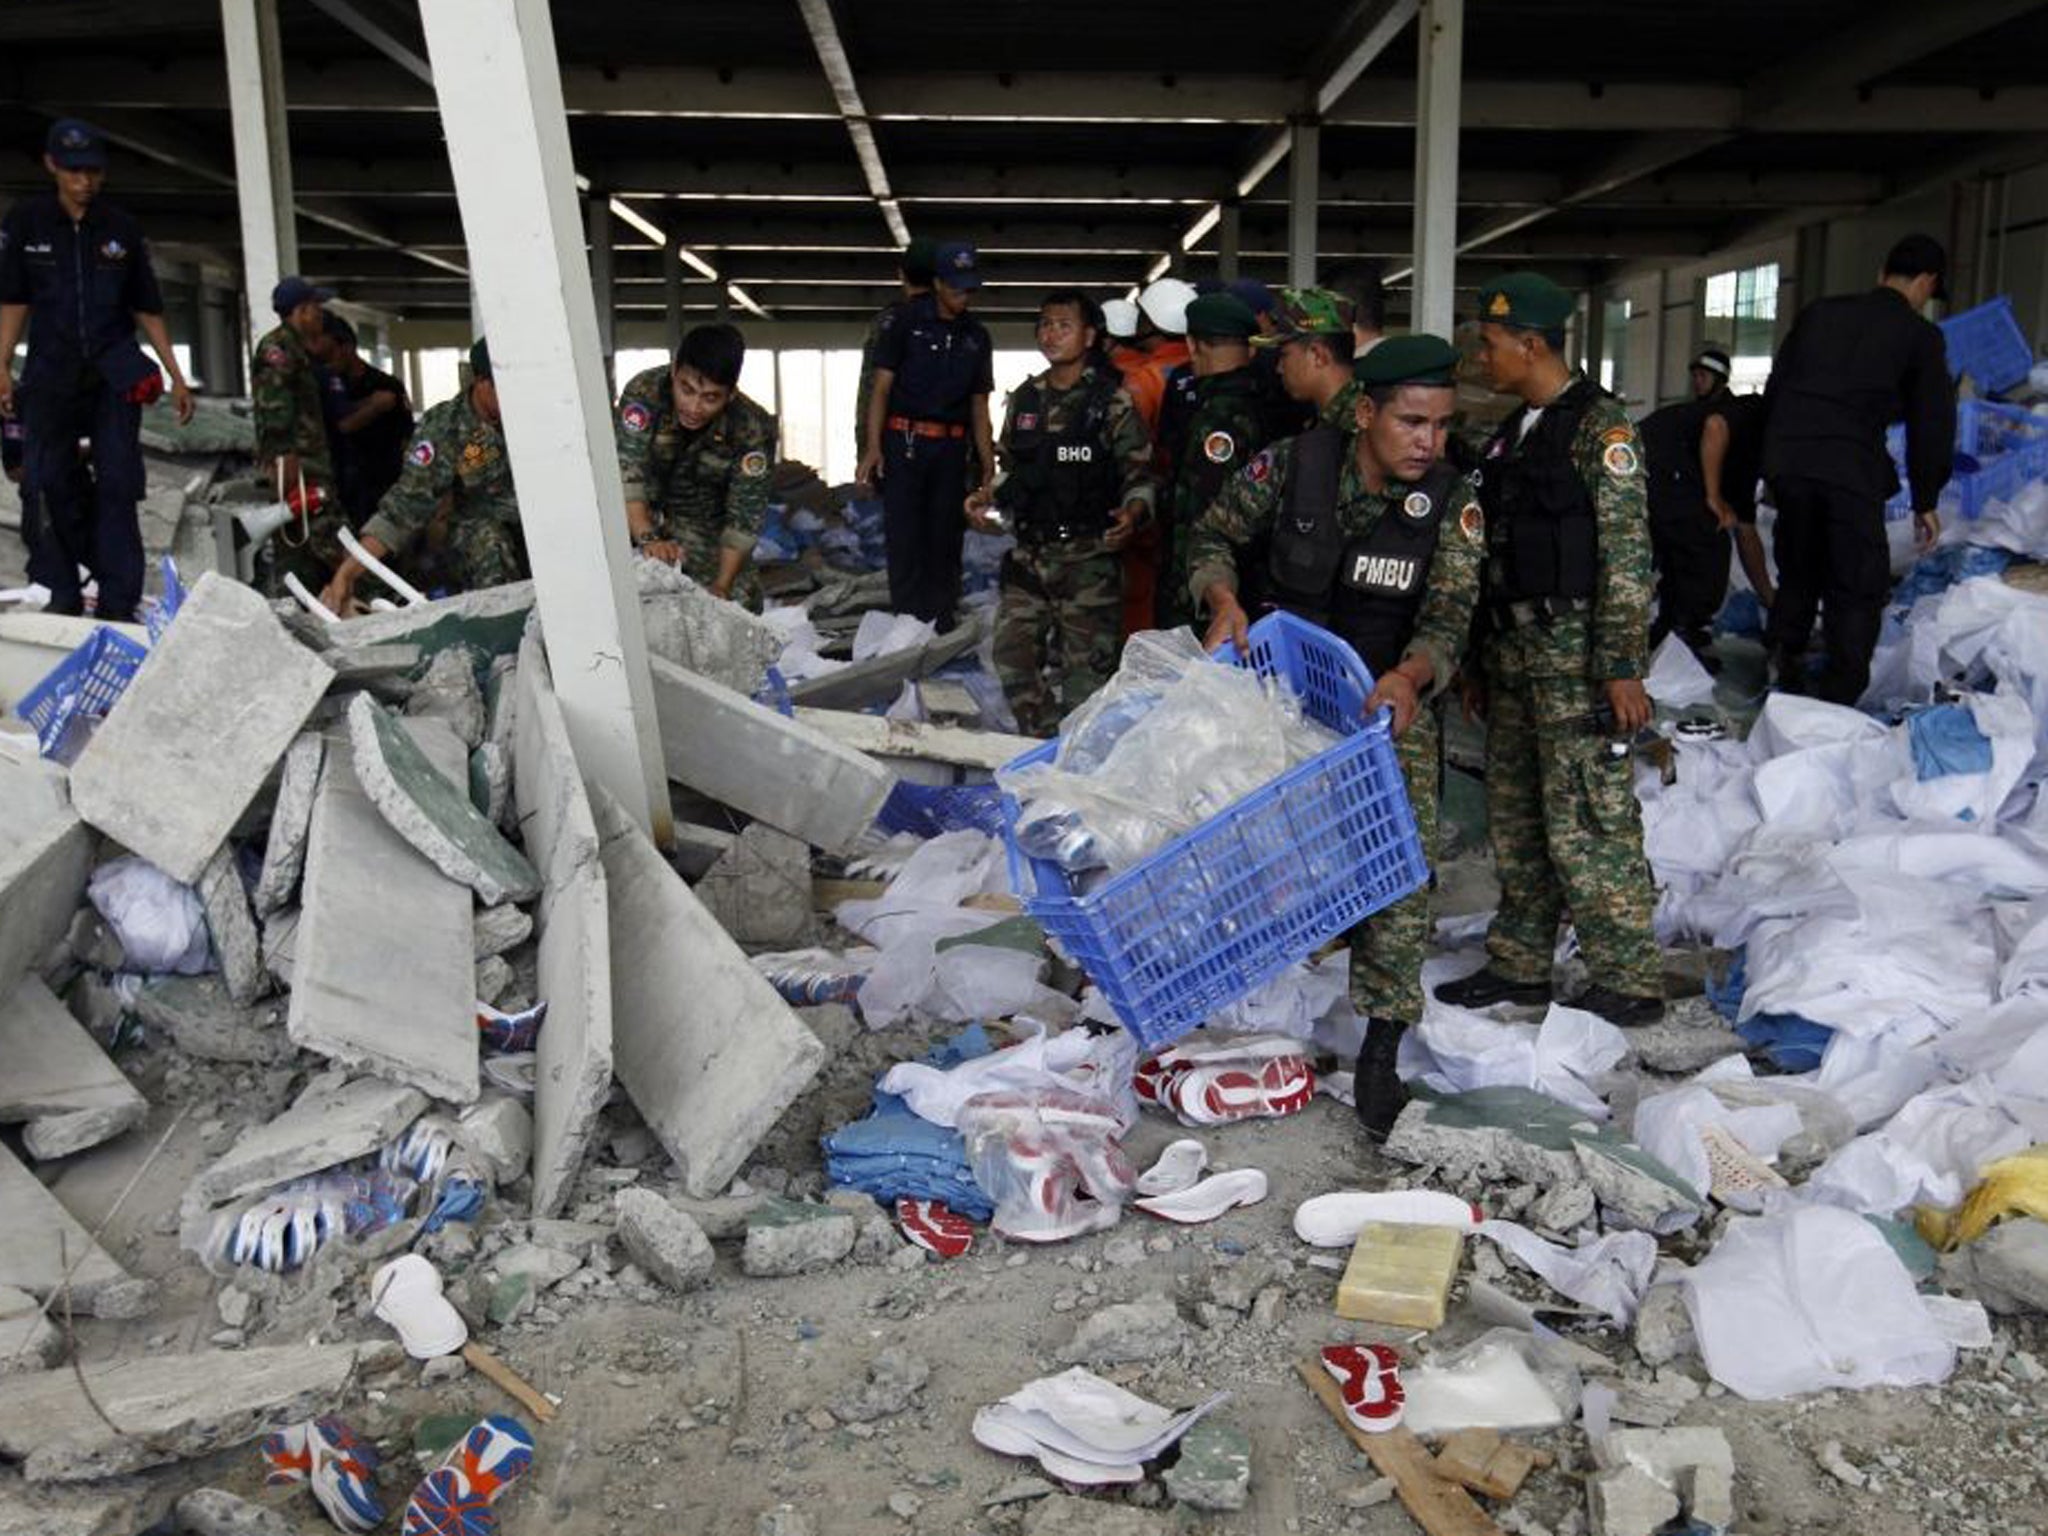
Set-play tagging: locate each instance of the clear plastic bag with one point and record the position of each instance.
(1050, 1161)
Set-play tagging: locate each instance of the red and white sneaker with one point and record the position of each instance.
(933, 1226)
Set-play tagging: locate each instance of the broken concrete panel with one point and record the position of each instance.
(57, 1079)
(46, 857)
(548, 793)
(760, 892)
(280, 942)
(29, 1341)
(381, 970)
(709, 1052)
(197, 1013)
(448, 692)
(490, 620)
(696, 849)
(2007, 1268)
(212, 709)
(216, 1512)
(43, 1240)
(498, 929)
(116, 1507)
(707, 635)
(233, 927)
(724, 745)
(169, 1407)
(323, 1128)
(284, 856)
(427, 803)
(879, 679)
(879, 736)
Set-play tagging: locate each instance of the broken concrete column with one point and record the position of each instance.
(169, 1407)
(284, 856)
(760, 891)
(427, 803)
(326, 1126)
(184, 751)
(709, 1052)
(57, 1079)
(43, 1241)
(382, 975)
(573, 961)
(233, 927)
(722, 744)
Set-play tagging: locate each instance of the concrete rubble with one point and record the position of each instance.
(332, 1122)
(58, 1084)
(291, 819)
(48, 1251)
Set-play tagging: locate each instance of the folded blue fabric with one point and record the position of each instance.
(1789, 1042)
(892, 1153)
(1945, 740)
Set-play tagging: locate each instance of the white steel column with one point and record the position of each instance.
(1229, 236)
(598, 217)
(263, 152)
(499, 88)
(671, 295)
(1438, 84)
(1304, 173)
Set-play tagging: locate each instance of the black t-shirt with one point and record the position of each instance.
(1743, 463)
(939, 365)
(379, 448)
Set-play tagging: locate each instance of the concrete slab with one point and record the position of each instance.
(448, 691)
(776, 770)
(58, 1081)
(200, 1017)
(233, 927)
(879, 736)
(709, 1052)
(169, 1407)
(284, 856)
(760, 891)
(44, 1239)
(29, 1341)
(381, 966)
(573, 962)
(325, 1127)
(119, 1506)
(698, 848)
(46, 857)
(211, 711)
(428, 803)
(280, 943)
(879, 679)
(491, 620)
(707, 635)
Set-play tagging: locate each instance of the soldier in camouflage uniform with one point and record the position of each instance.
(1565, 622)
(291, 431)
(695, 454)
(456, 466)
(1222, 425)
(1076, 485)
(919, 258)
(1311, 329)
(1369, 534)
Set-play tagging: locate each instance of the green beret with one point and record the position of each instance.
(479, 360)
(921, 256)
(1222, 314)
(1299, 312)
(1528, 301)
(1417, 359)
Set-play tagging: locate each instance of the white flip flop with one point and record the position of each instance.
(1333, 1220)
(406, 1293)
(1209, 1199)
(1178, 1167)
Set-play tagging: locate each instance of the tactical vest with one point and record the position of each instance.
(1062, 485)
(1368, 587)
(1540, 519)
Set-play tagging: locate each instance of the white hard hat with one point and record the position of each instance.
(1120, 317)
(1166, 304)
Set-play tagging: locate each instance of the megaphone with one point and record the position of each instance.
(258, 523)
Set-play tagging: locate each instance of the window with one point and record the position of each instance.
(1614, 344)
(1740, 315)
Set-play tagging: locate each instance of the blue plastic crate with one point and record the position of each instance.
(1988, 344)
(1221, 911)
(160, 613)
(83, 686)
(2008, 444)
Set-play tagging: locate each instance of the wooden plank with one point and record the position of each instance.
(878, 737)
(1440, 1508)
(1479, 1459)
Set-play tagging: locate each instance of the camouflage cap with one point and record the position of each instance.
(1528, 301)
(1299, 312)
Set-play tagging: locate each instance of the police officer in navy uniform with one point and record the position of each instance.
(78, 268)
(934, 372)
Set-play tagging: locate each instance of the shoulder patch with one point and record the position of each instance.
(1619, 460)
(1417, 504)
(1218, 447)
(1260, 470)
(422, 453)
(1028, 422)
(1616, 435)
(754, 464)
(276, 357)
(635, 417)
(1472, 523)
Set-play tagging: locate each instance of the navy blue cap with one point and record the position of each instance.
(957, 265)
(75, 145)
(289, 294)
(1255, 294)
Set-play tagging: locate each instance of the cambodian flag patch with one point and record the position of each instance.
(1260, 470)
(635, 417)
(422, 453)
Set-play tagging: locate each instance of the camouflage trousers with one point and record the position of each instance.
(701, 551)
(484, 552)
(1057, 628)
(1562, 816)
(1388, 948)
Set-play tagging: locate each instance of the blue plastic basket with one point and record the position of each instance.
(81, 687)
(2010, 445)
(1988, 344)
(160, 613)
(1220, 911)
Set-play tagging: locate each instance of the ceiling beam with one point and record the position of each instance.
(823, 26)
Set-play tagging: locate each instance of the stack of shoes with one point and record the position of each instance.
(1369, 1380)
(334, 1461)
(456, 1499)
(1213, 1082)
(1083, 1430)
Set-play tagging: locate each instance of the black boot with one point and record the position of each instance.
(1377, 1091)
(1621, 1009)
(1486, 986)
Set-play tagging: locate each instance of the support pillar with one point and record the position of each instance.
(1304, 176)
(671, 295)
(1440, 38)
(498, 84)
(263, 153)
(217, 349)
(598, 216)
(1229, 236)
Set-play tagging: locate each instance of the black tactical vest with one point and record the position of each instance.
(1367, 588)
(1062, 485)
(1540, 518)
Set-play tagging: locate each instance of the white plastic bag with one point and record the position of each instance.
(160, 923)
(1049, 1159)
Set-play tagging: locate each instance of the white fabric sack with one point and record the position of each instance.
(884, 634)
(160, 923)
(1668, 1126)
(1607, 1273)
(1676, 679)
(1454, 1050)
